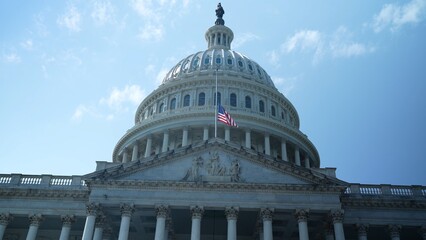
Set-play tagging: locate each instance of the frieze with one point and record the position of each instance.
(382, 202)
(43, 194)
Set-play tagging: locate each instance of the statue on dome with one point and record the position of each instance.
(219, 15)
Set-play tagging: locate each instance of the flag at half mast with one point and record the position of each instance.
(223, 116)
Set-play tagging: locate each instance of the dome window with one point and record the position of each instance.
(201, 99)
(250, 67)
(186, 100)
(161, 108)
(233, 99)
(218, 99)
(229, 61)
(195, 62)
(207, 60)
(240, 63)
(259, 72)
(248, 102)
(173, 104)
(261, 106)
(273, 111)
(218, 60)
(185, 66)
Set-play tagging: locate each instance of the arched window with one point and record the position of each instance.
(161, 108)
(186, 100)
(248, 102)
(273, 111)
(201, 99)
(219, 102)
(282, 115)
(173, 104)
(233, 99)
(261, 106)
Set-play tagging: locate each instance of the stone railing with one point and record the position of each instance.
(386, 190)
(19, 180)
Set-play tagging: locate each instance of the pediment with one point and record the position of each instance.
(216, 163)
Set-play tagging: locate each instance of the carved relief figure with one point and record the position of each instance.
(235, 170)
(193, 173)
(214, 168)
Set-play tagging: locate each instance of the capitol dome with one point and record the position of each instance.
(181, 111)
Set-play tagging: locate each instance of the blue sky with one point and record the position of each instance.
(72, 74)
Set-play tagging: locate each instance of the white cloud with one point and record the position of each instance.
(70, 19)
(12, 58)
(28, 44)
(130, 94)
(103, 12)
(395, 16)
(244, 38)
(151, 32)
(286, 85)
(274, 58)
(303, 40)
(342, 45)
(161, 75)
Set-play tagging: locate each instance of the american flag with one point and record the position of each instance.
(223, 116)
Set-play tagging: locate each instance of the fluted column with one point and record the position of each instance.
(185, 137)
(162, 213)
(148, 147)
(394, 231)
(267, 145)
(266, 215)
(307, 163)
(126, 214)
(302, 216)
(284, 150)
(362, 231)
(125, 156)
(135, 152)
(35, 221)
(227, 134)
(197, 213)
(67, 221)
(248, 138)
(232, 215)
(165, 146)
(5, 219)
(337, 218)
(297, 156)
(206, 133)
(99, 227)
(91, 210)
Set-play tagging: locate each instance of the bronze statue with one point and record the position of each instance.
(219, 15)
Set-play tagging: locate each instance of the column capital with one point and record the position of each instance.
(232, 213)
(35, 219)
(302, 215)
(362, 229)
(162, 211)
(92, 209)
(127, 209)
(267, 214)
(5, 218)
(197, 212)
(337, 215)
(394, 230)
(100, 221)
(67, 220)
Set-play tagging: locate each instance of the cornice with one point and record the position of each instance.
(383, 202)
(44, 193)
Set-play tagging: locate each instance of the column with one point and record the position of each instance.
(337, 219)
(148, 146)
(266, 215)
(125, 156)
(135, 152)
(196, 213)
(99, 227)
(168, 228)
(307, 163)
(302, 216)
(185, 137)
(284, 150)
(296, 155)
(267, 145)
(232, 215)
(227, 134)
(394, 231)
(91, 210)
(422, 232)
(67, 221)
(35, 221)
(362, 231)
(248, 138)
(126, 213)
(329, 233)
(206, 134)
(165, 141)
(5, 218)
(162, 213)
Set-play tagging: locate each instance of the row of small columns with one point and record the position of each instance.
(165, 145)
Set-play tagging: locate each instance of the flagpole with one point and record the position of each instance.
(215, 111)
